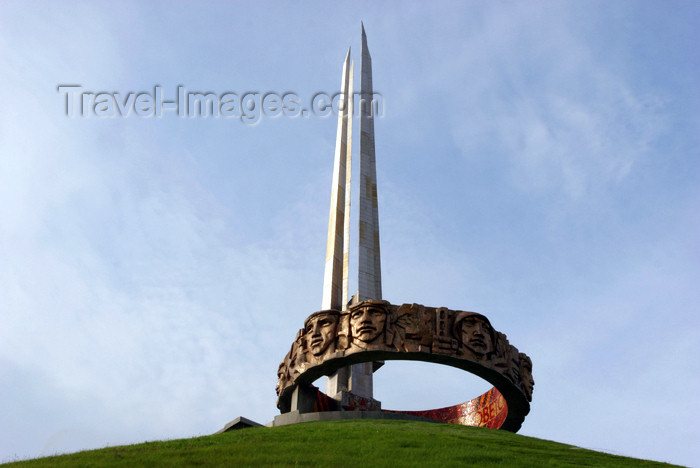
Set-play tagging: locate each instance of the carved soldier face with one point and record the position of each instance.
(367, 323)
(526, 375)
(280, 375)
(320, 332)
(476, 335)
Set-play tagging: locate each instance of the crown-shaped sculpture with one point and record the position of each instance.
(350, 338)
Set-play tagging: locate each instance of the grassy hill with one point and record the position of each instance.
(351, 443)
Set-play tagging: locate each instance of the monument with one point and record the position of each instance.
(351, 337)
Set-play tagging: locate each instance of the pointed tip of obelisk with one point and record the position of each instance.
(364, 39)
(347, 57)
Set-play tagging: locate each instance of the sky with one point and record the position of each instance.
(536, 162)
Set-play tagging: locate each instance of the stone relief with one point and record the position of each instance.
(526, 375)
(320, 333)
(368, 322)
(379, 325)
(475, 335)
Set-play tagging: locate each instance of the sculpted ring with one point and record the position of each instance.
(377, 331)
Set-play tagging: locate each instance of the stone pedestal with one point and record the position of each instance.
(303, 399)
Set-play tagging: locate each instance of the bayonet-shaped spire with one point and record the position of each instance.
(369, 264)
(336, 270)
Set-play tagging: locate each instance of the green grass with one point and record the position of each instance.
(348, 443)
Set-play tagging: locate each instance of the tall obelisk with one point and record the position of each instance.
(335, 279)
(369, 283)
(370, 270)
(358, 378)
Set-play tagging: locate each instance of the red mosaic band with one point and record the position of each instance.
(488, 410)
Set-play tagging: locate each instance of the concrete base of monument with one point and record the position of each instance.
(295, 417)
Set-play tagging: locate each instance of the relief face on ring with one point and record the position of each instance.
(526, 375)
(320, 332)
(367, 323)
(475, 333)
(281, 377)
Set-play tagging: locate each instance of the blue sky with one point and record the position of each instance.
(536, 163)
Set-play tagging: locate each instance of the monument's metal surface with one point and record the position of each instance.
(335, 279)
(350, 339)
(369, 265)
